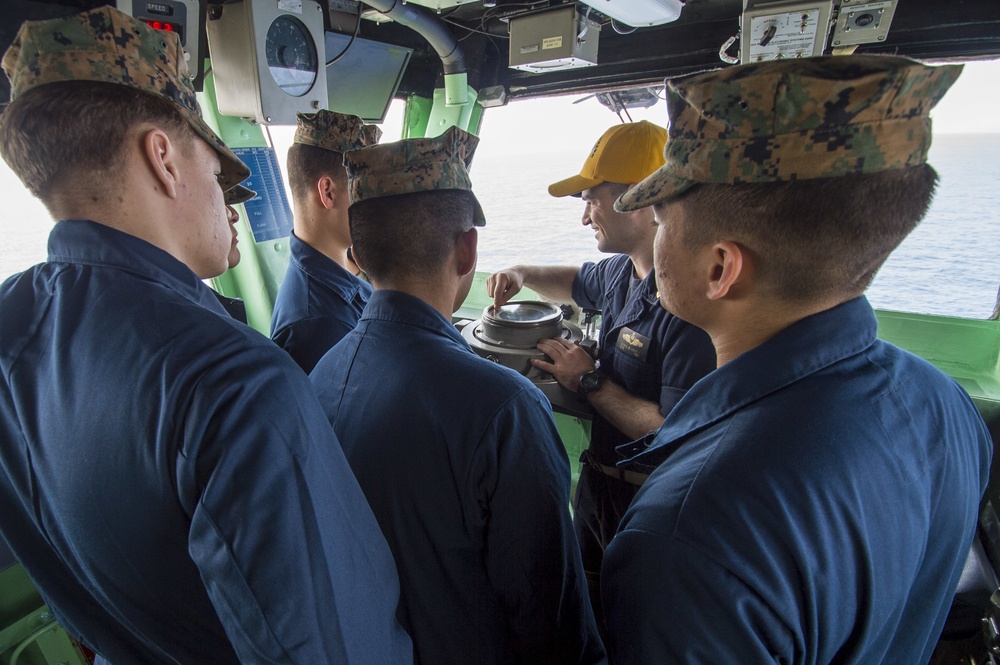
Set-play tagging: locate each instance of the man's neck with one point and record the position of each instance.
(740, 331)
(436, 293)
(313, 233)
(146, 223)
(642, 261)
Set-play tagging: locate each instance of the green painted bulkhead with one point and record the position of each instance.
(29, 634)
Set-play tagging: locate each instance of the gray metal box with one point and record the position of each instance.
(553, 40)
(269, 59)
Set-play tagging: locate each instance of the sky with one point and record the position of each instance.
(971, 106)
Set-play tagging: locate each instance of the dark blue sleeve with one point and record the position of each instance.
(308, 340)
(588, 285)
(533, 559)
(667, 602)
(288, 549)
(688, 356)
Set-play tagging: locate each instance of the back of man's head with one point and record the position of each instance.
(408, 235)
(69, 136)
(410, 201)
(318, 148)
(817, 166)
(80, 85)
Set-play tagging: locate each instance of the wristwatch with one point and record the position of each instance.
(589, 383)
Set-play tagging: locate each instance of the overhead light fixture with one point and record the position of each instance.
(639, 13)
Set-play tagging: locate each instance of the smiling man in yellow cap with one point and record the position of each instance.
(813, 499)
(647, 357)
(167, 476)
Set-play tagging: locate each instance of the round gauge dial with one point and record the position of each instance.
(526, 312)
(291, 55)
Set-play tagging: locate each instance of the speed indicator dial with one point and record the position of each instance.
(291, 55)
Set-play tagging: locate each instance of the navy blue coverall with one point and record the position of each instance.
(461, 462)
(318, 303)
(167, 477)
(813, 502)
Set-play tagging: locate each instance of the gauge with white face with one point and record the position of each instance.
(291, 56)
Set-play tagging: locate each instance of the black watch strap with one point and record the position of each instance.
(590, 382)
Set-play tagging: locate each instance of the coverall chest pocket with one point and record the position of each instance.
(637, 364)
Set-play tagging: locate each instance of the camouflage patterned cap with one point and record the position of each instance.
(109, 46)
(238, 194)
(794, 120)
(414, 165)
(335, 131)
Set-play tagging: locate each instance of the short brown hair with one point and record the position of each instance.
(813, 238)
(408, 235)
(307, 164)
(74, 132)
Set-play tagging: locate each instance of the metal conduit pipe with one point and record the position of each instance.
(429, 27)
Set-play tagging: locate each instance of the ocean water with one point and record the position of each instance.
(949, 265)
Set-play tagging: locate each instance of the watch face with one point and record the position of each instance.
(291, 55)
(590, 381)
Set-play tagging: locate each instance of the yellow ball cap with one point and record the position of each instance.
(625, 154)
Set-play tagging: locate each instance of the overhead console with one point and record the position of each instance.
(512, 46)
(780, 29)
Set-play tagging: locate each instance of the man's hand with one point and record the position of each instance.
(569, 361)
(504, 285)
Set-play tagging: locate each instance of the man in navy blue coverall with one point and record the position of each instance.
(323, 292)
(814, 498)
(648, 357)
(167, 477)
(459, 457)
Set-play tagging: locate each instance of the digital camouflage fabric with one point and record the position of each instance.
(109, 46)
(335, 131)
(794, 120)
(414, 165)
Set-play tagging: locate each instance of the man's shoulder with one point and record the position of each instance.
(614, 267)
(448, 366)
(293, 285)
(319, 289)
(141, 316)
(594, 281)
(493, 378)
(883, 406)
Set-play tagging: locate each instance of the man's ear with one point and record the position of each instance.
(466, 248)
(160, 154)
(327, 191)
(356, 259)
(730, 267)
